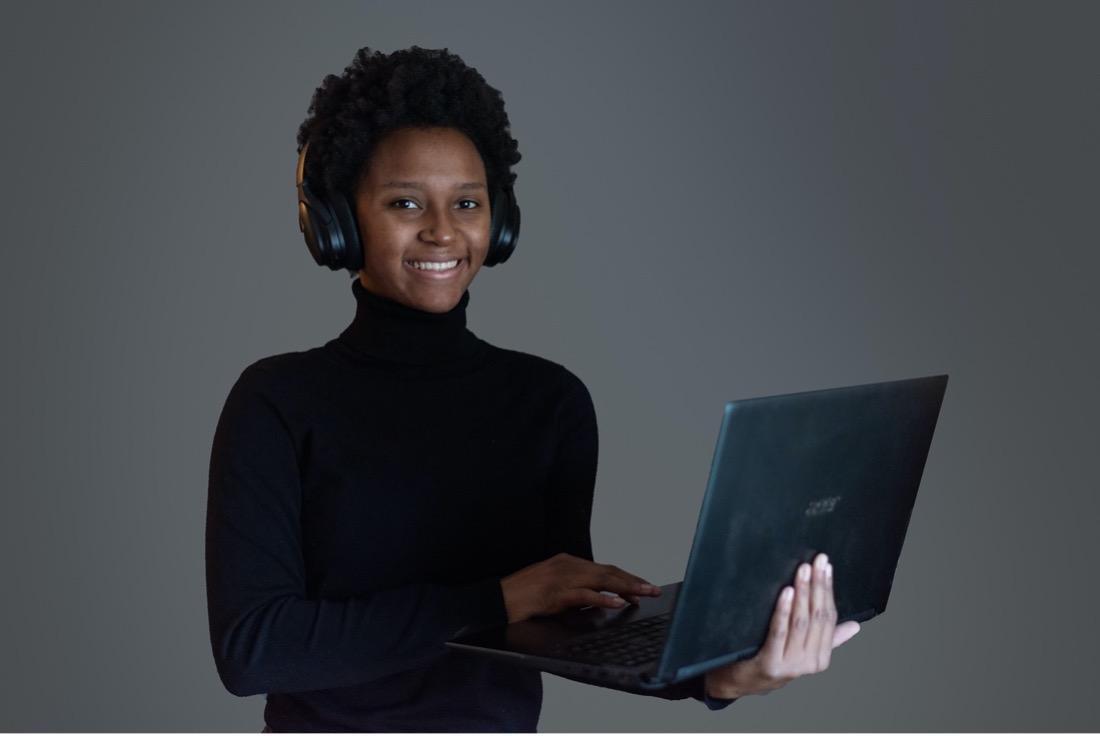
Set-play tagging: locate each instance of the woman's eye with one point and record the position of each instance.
(406, 199)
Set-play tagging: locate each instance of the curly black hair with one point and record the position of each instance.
(413, 87)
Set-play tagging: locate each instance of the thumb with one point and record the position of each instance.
(845, 631)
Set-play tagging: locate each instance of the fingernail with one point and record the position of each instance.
(804, 571)
(829, 571)
(616, 601)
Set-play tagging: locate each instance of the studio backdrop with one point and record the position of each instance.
(720, 200)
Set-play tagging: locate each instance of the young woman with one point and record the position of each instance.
(372, 497)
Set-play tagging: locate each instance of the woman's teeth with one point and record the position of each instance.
(431, 266)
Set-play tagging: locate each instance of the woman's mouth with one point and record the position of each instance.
(436, 270)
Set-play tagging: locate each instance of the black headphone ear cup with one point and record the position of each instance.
(504, 230)
(327, 223)
(309, 230)
(352, 254)
(317, 223)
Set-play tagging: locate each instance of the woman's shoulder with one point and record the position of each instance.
(529, 361)
(281, 369)
(542, 369)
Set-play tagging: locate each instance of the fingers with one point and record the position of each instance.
(819, 612)
(800, 615)
(586, 575)
(844, 632)
(771, 654)
(637, 584)
(611, 578)
(580, 597)
(825, 644)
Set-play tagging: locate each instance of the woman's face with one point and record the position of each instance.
(423, 198)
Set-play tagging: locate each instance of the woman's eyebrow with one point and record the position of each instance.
(418, 185)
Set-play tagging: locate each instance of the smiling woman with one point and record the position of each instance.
(423, 212)
(375, 496)
(414, 121)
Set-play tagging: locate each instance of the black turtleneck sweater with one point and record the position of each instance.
(365, 499)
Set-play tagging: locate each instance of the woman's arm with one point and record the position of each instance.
(267, 636)
(572, 480)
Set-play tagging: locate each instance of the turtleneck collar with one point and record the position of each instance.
(393, 332)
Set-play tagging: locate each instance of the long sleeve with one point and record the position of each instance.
(572, 488)
(267, 635)
(573, 474)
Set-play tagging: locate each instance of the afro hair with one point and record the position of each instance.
(413, 87)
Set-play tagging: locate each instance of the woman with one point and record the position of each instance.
(373, 497)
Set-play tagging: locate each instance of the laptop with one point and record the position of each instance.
(834, 470)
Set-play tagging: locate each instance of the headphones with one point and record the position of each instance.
(332, 234)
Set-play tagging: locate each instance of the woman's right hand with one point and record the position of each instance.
(565, 581)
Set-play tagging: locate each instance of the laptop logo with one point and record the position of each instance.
(822, 506)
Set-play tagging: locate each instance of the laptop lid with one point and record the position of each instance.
(833, 470)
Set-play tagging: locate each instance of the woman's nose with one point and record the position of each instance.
(440, 227)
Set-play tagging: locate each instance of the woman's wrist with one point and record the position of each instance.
(511, 605)
(719, 693)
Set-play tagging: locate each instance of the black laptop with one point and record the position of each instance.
(834, 471)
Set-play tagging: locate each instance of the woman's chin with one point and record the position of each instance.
(437, 300)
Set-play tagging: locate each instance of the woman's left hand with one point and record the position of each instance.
(800, 640)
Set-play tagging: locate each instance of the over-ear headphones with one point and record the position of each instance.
(328, 222)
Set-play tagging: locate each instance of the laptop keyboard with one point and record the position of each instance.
(630, 644)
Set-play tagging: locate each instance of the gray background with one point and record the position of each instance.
(720, 200)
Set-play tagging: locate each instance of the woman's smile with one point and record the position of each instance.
(435, 273)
